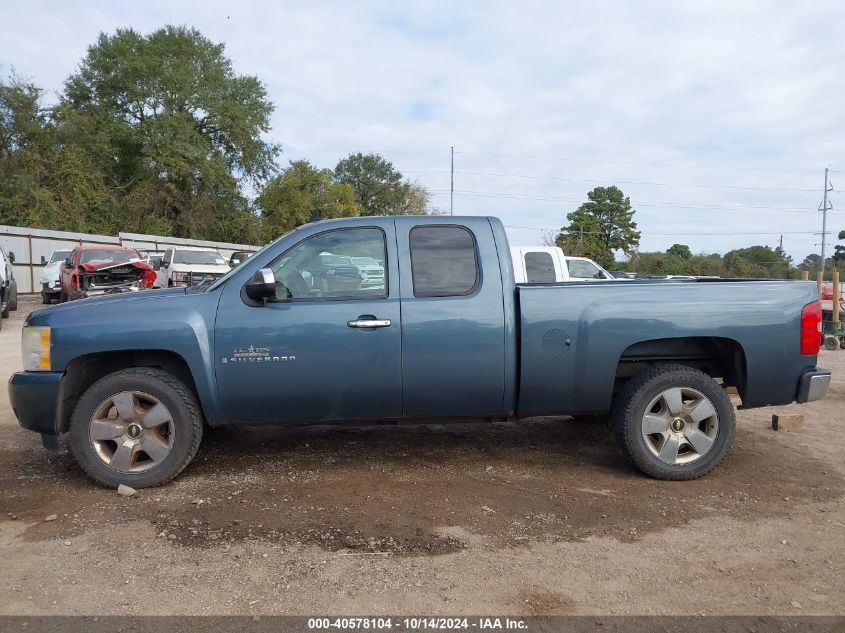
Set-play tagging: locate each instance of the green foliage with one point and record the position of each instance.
(839, 249)
(600, 227)
(379, 187)
(153, 134)
(303, 193)
(681, 251)
(172, 125)
(754, 261)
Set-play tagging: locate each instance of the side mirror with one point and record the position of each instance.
(68, 264)
(165, 263)
(11, 257)
(43, 260)
(262, 285)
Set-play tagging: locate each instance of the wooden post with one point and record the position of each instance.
(805, 275)
(836, 295)
(819, 281)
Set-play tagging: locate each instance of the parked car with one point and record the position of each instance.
(188, 266)
(90, 271)
(238, 257)
(371, 272)
(8, 285)
(548, 264)
(50, 275)
(448, 335)
(154, 259)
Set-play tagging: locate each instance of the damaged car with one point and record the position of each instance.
(91, 271)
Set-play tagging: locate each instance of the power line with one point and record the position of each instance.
(688, 233)
(633, 182)
(639, 163)
(638, 203)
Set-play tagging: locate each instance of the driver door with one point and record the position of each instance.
(327, 347)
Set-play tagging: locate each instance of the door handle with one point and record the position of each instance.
(368, 321)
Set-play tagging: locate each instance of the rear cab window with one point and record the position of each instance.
(444, 261)
(539, 267)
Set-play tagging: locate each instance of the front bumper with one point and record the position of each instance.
(813, 385)
(34, 396)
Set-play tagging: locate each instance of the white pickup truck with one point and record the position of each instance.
(548, 264)
(187, 266)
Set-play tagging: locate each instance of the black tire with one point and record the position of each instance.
(4, 313)
(170, 391)
(630, 407)
(13, 295)
(46, 299)
(62, 296)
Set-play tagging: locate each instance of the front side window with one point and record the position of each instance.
(59, 256)
(539, 268)
(443, 261)
(580, 269)
(339, 264)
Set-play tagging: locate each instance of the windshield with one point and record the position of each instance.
(212, 258)
(108, 256)
(58, 256)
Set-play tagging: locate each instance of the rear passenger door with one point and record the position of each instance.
(453, 338)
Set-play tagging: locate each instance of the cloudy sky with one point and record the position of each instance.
(716, 118)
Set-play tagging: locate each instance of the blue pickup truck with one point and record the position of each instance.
(297, 334)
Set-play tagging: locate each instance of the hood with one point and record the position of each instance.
(95, 266)
(42, 316)
(51, 271)
(200, 268)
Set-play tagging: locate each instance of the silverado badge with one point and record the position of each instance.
(254, 354)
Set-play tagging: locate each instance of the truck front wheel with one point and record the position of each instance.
(674, 422)
(139, 427)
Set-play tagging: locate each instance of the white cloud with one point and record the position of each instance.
(619, 89)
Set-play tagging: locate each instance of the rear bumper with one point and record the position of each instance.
(813, 385)
(34, 396)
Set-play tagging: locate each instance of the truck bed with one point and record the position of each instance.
(574, 335)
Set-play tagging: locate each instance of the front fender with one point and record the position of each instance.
(166, 320)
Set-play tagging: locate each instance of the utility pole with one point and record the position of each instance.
(452, 185)
(824, 208)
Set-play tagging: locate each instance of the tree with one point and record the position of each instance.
(681, 251)
(601, 226)
(811, 262)
(380, 188)
(839, 250)
(167, 120)
(302, 193)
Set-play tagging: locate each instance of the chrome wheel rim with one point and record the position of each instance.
(680, 425)
(131, 432)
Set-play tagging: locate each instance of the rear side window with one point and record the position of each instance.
(539, 268)
(443, 261)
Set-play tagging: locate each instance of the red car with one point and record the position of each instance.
(90, 271)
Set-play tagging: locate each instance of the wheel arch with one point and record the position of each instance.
(718, 357)
(83, 371)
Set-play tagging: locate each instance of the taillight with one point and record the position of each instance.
(811, 328)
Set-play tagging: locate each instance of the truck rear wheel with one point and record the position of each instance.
(139, 427)
(674, 422)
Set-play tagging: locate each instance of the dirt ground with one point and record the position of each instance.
(539, 517)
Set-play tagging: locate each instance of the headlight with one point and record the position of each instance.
(35, 344)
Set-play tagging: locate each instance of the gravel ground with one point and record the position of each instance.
(537, 517)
